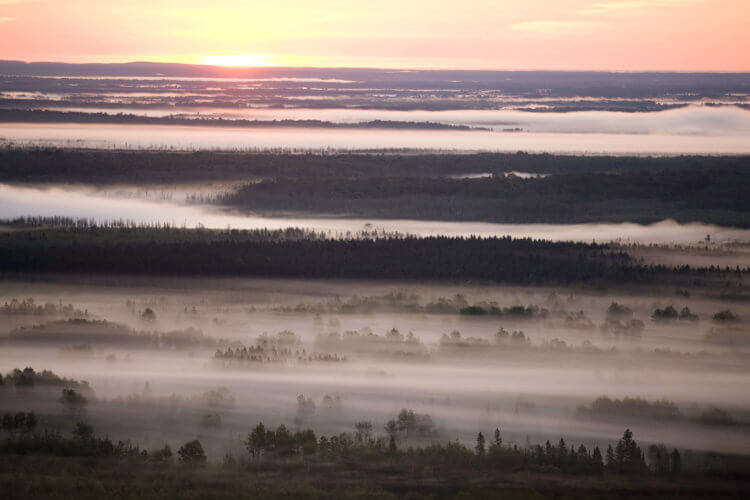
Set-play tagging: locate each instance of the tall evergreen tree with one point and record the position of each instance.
(611, 459)
(498, 438)
(675, 462)
(480, 444)
(596, 459)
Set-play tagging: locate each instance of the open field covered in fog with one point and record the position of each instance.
(358, 351)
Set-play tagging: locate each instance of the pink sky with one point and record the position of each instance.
(683, 35)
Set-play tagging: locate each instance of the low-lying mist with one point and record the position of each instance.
(167, 353)
(158, 204)
(686, 140)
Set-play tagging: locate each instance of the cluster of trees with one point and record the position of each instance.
(106, 333)
(258, 354)
(620, 322)
(670, 312)
(501, 338)
(411, 425)
(626, 457)
(19, 422)
(631, 328)
(73, 398)
(609, 409)
(28, 307)
(517, 311)
(397, 300)
(83, 444)
(28, 377)
(280, 442)
(726, 316)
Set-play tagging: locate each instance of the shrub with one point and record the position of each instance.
(191, 453)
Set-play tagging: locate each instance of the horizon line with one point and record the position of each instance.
(375, 68)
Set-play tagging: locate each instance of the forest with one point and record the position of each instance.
(101, 166)
(701, 194)
(498, 188)
(297, 253)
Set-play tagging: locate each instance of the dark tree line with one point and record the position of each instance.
(433, 258)
(65, 165)
(49, 116)
(706, 194)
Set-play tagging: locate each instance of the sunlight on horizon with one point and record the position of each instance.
(239, 60)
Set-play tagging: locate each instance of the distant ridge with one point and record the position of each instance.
(552, 81)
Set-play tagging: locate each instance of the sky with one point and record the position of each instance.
(617, 35)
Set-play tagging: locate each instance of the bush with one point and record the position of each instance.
(726, 316)
(191, 453)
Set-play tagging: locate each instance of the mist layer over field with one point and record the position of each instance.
(160, 204)
(197, 137)
(408, 346)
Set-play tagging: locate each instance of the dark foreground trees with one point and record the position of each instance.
(270, 449)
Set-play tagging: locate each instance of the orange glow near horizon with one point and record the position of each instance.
(238, 60)
(619, 35)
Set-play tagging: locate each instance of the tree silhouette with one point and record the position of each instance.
(392, 449)
(675, 462)
(596, 458)
(83, 431)
(191, 453)
(611, 462)
(498, 438)
(480, 445)
(256, 441)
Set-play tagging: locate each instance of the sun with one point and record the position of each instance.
(239, 60)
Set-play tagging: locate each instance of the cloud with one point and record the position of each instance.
(630, 6)
(7, 19)
(553, 27)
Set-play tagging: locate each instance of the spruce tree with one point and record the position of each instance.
(596, 459)
(480, 444)
(611, 459)
(675, 462)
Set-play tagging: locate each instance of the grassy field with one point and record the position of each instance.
(56, 477)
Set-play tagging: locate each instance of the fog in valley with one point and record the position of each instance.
(169, 204)
(293, 250)
(164, 357)
(108, 136)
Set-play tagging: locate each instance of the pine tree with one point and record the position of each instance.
(675, 462)
(548, 453)
(562, 452)
(392, 449)
(611, 459)
(498, 439)
(596, 459)
(480, 444)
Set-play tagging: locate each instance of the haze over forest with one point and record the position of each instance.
(403, 253)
